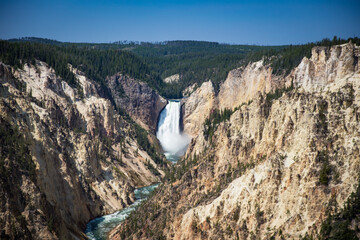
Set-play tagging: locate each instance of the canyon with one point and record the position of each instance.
(285, 157)
(258, 156)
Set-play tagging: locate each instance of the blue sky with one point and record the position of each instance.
(243, 22)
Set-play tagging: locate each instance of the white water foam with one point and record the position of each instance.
(172, 140)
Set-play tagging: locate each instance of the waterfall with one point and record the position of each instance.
(173, 142)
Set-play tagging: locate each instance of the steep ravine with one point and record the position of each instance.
(272, 167)
(80, 157)
(174, 143)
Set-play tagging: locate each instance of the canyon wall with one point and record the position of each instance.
(197, 107)
(80, 157)
(276, 167)
(141, 102)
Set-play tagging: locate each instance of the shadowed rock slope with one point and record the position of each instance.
(141, 102)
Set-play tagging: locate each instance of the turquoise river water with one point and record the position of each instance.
(98, 228)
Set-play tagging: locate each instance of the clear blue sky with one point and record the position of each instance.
(245, 22)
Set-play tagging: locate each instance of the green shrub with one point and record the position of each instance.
(337, 225)
(325, 171)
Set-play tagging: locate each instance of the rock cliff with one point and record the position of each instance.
(172, 79)
(197, 107)
(138, 99)
(79, 158)
(276, 168)
(244, 83)
(240, 86)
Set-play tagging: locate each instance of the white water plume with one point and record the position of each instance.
(172, 140)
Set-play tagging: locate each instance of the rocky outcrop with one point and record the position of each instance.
(274, 169)
(244, 83)
(241, 86)
(173, 78)
(142, 102)
(326, 67)
(189, 90)
(197, 107)
(86, 156)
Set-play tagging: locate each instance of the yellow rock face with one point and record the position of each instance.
(260, 174)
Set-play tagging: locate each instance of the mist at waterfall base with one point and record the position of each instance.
(172, 140)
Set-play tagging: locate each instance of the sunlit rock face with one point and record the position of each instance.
(197, 107)
(244, 83)
(327, 68)
(261, 173)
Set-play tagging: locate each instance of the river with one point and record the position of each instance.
(98, 228)
(174, 144)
